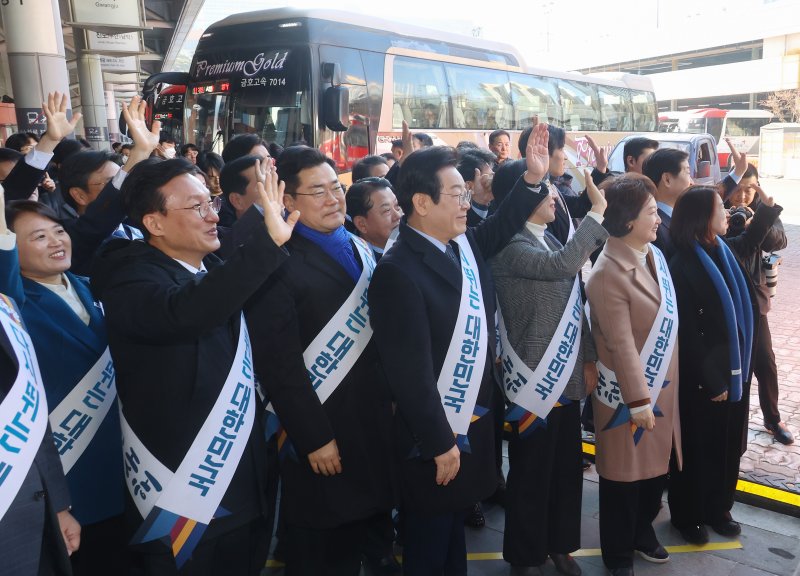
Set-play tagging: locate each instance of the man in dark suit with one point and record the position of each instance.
(37, 531)
(477, 165)
(415, 304)
(669, 170)
(337, 477)
(173, 313)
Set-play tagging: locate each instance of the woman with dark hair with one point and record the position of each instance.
(717, 306)
(374, 212)
(68, 332)
(634, 324)
(539, 291)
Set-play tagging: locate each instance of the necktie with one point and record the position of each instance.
(452, 255)
(200, 273)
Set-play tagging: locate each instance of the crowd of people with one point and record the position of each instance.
(200, 352)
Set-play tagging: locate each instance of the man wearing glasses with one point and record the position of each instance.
(314, 355)
(432, 306)
(193, 442)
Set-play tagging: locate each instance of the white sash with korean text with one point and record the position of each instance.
(460, 379)
(335, 350)
(23, 412)
(77, 417)
(197, 487)
(537, 391)
(656, 354)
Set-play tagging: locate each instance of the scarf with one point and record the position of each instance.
(734, 296)
(336, 245)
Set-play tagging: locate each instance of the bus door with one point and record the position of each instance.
(207, 116)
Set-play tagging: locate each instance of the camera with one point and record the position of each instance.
(739, 216)
(770, 264)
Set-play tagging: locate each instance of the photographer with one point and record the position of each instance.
(742, 204)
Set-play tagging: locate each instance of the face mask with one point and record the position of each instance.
(124, 159)
(169, 153)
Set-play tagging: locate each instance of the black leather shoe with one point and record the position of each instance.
(697, 535)
(525, 571)
(627, 571)
(728, 528)
(658, 555)
(565, 564)
(475, 518)
(780, 432)
(386, 566)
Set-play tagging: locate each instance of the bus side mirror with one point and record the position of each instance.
(336, 108)
(704, 169)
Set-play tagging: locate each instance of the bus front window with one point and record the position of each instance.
(280, 124)
(206, 121)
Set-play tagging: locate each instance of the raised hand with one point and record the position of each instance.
(144, 140)
(408, 143)
(768, 200)
(537, 159)
(58, 126)
(739, 159)
(482, 188)
(600, 159)
(596, 196)
(270, 191)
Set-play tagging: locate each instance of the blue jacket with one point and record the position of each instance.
(66, 349)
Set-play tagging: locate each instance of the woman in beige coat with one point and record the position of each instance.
(625, 298)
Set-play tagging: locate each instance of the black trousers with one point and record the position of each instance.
(103, 549)
(766, 371)
(544, 490)
(242, 551)
(325, 552)
(711, 440)
(379, 537)
(434, 545)
(627, 511)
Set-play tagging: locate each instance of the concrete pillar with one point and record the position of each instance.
(93, 96)
(37, 65)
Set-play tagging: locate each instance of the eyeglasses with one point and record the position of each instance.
(335, 191)
(204, 208)
(464, 197)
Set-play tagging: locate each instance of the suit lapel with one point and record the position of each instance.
(434, 258)
(316, 258)
(625, 257)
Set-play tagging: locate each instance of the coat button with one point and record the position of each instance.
(700, 311)
(39, 495)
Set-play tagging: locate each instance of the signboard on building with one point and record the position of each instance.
(107, 12)
(118, 63)
(125, 42)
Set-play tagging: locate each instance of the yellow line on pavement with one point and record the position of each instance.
(768, 492)
(584, 552)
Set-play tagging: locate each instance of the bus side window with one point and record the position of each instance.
(536, 98)
(481, 97)
(420, 94)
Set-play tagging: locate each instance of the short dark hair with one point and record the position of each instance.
(141, 191)
(294, 160)
(522, 143)
(750, 172)
(232, 179)
(126, 147)
(471, 160)
(389, 156)
(7, 154)
(663, 160)
(66, 147)
(496, 134)
(505, 178)
(557, 140)
(76, 169)
(420, 175)
(166, 139)
(17, 141)
(626, 196)
(275, 150)
(210, 161)
(18, 207)
(425, 140)
(691, 217)
(240, 145)
(466, 146)
(398, 143)
(635, 146)
(186, 147)
(33, 136)
(359, 195)
(362, 167)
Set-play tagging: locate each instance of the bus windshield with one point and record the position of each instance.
(745, 126)
(245, 93)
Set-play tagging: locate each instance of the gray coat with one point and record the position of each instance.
(533, 287)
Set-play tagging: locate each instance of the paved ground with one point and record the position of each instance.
(766, 461)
